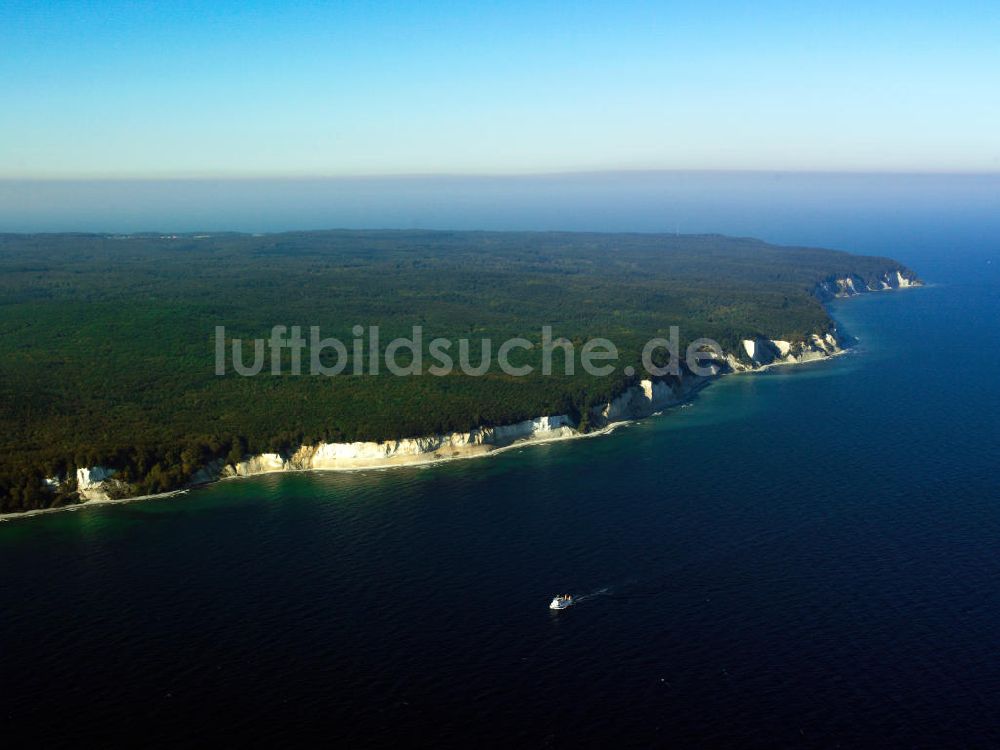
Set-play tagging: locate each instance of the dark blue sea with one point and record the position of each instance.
(804, 557)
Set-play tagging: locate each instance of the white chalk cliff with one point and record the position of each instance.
(360, 455)
(759, 353)
(850, 286)
(639, 400)
(98, 483)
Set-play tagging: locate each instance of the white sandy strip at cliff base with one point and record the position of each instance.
(90, 503)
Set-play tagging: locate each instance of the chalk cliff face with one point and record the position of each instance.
(98, 483)
(360, 455)
(759, 353)
(635, 402)
(850, 286)
(641, 400)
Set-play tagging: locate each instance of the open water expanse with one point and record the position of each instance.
(807, 556)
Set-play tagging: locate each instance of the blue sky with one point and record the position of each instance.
(171, 89)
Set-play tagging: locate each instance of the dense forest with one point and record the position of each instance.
(108, 346)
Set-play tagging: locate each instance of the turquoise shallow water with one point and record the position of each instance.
(804, 556)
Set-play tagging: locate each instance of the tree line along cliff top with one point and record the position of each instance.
(107, 340)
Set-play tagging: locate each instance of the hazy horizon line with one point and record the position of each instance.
(361, 176)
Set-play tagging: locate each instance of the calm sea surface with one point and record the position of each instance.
(809, 556)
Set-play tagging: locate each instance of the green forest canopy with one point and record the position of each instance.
(108, 354)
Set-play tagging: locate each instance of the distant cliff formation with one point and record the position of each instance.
(853, 285)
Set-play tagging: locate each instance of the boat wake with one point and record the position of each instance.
(606, 591)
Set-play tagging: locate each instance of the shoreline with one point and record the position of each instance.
(785, 363)
(79, 506)
(432, 459)
(822, 353)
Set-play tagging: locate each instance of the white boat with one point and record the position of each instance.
(561, 601)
